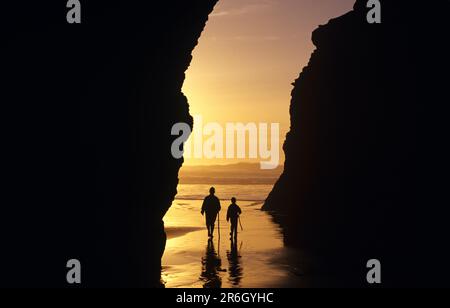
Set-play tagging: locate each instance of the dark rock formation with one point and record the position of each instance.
(367, 152)
(87, 114)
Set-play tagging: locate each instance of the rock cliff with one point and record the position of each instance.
(88, 110)
(366, 157)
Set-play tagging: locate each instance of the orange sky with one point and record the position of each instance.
(247, 58)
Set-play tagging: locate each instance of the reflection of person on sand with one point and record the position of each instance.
(211, 206)
(235, 269)
(211, 267)
(233, 213)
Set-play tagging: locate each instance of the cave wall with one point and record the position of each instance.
(366, 157)
(87, 116)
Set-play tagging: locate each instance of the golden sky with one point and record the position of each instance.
(248, 56)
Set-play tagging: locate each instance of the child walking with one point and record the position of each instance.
(233, 213)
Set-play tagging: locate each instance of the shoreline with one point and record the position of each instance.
(175, 232)
(253, 202)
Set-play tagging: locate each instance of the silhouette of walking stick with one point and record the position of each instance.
(218, 223)
(242, 229)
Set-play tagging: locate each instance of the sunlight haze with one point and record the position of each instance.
(247, 58)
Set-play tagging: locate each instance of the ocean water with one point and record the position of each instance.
(258, 259)
(255, 193)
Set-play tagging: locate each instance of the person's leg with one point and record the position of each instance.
(207, 226)
(210, 223)
(235, 229)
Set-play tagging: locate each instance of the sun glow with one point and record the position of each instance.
(242, 70)
(247, 58)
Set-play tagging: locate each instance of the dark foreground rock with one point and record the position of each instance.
(367, 156)
(87, 112)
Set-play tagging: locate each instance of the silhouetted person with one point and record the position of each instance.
(211, 267)
(211, 206)
(233, 213)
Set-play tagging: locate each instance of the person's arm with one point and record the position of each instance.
(204, 206)
(239, 211)
(219, 208)
(228, 214)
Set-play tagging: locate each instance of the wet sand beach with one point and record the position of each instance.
(258, 259)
